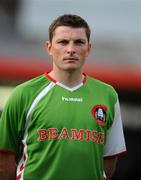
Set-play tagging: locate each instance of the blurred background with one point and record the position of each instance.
(115, 56)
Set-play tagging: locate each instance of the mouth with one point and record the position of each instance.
(70, 59)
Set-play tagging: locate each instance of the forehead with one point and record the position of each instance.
(69, 32)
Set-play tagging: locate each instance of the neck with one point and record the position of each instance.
(70, 79)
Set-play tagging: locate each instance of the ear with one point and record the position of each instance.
(48, 46)
(89, 47)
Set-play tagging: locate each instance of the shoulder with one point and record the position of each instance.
(100, 84)
(102, 87)
(29, 89)
(33, 84)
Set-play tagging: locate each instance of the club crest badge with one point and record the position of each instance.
(99, 114)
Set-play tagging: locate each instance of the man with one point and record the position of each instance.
(63, 124)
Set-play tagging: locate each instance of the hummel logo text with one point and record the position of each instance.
(72, 99)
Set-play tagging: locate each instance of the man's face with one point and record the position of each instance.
(69, 48)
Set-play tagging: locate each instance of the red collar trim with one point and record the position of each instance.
(85, 78)
(50, 78)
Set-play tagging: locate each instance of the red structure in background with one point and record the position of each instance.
(22, 69)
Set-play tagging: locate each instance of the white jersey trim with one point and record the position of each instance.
(68, 88)
(115, 142)
(28, 118)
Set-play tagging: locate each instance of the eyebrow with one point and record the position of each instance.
(79, 39)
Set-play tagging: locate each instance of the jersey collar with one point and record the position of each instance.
(64, 86)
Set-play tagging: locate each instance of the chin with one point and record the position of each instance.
(71, 68)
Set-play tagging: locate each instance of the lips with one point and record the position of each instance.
(71, 59)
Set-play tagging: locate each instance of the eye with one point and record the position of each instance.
(79, 42)
(63, 42)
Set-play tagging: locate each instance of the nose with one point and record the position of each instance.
(71, 49)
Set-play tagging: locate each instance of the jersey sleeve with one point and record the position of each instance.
(115, 142)
(9, 124)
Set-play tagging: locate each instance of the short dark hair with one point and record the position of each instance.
(70, 20)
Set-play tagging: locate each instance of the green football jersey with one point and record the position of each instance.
(59, 132)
